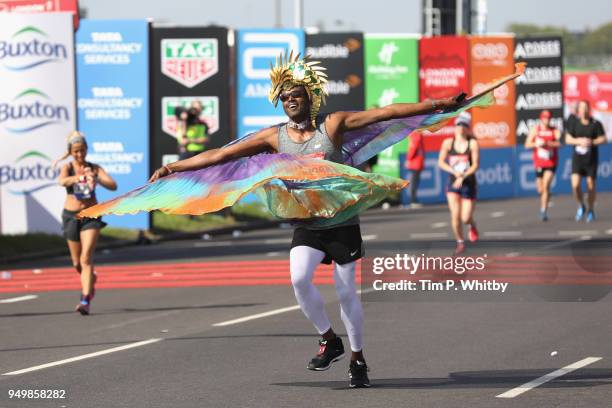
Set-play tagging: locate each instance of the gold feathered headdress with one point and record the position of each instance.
(292, 71)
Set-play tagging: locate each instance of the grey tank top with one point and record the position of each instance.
(318, 143)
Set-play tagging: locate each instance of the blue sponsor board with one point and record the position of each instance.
(495, 175)
(433, 181)
(524, 171)
(113, 104)
(256, 50)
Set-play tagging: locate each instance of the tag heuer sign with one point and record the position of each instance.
(210, 112)
(190, 61)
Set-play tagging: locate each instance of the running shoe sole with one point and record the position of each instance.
(340, 357)
(83, 309)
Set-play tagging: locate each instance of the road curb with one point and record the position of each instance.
(143, 240)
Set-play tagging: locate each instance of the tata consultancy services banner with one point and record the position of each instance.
(37, 111)
(391, 67)
(113, 104)
(256, 50)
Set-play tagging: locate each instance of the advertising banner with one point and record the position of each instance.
(342, 55)
(492, 58)
(524, 171)
(37, 111)
(391, 71)
(41, 6)
(595, 87)
(495, 177)
(443, 72)
(189, 64)
(113, 104)
(257, 49)
(541, 87)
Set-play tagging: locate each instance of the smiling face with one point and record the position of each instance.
(78, 152)
(295, 103)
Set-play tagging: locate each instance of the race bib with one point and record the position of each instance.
(82, 190)
(582, 150)
(544, 154)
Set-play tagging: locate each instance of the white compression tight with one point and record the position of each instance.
(303, 261)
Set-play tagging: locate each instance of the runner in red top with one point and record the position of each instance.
(544, 139)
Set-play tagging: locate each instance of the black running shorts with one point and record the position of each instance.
(585, 168)
(341, 245)
(73, 226)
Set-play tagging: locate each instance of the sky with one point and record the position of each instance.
(379, 16)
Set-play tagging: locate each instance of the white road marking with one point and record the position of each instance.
(213, 244)
(548, 377)
(278, 241)
(427, 235)
(609, 232)
(18, 299)
(84, 356)
(503, 233)
(369, 237)
(441, 224)
(579, 233)
(257, 316)
(497, 214)
(273, 254)
(270, 313)
(513, 254)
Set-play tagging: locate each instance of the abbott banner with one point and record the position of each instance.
(256, 50)
(37, 111)
(113, 104)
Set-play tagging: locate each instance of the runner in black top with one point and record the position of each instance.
(585, 134)
(460, 156)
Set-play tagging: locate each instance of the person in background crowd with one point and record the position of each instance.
(192, 132)
(460, 157)
(544, 139)
(585, 134)
(80, 178)
(415, 162)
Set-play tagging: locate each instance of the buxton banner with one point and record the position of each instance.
(391, 67)
(492, 59)
(256, 50)
(113, 104)
(443, 72)
(37, 111)
(541, 86)
(342, 55)
(189, 64)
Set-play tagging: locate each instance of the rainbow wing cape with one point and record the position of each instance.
(289, 186)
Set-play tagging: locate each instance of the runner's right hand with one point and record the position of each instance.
(159, 173)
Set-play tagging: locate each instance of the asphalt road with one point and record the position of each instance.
(213, 323)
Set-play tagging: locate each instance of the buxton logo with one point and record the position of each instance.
(28, 48)
(190, 61)
(30, 110)
(29, 173)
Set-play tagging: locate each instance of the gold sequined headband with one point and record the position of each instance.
(292, 71)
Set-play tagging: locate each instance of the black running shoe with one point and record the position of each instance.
(358, 374)
(330, 351)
